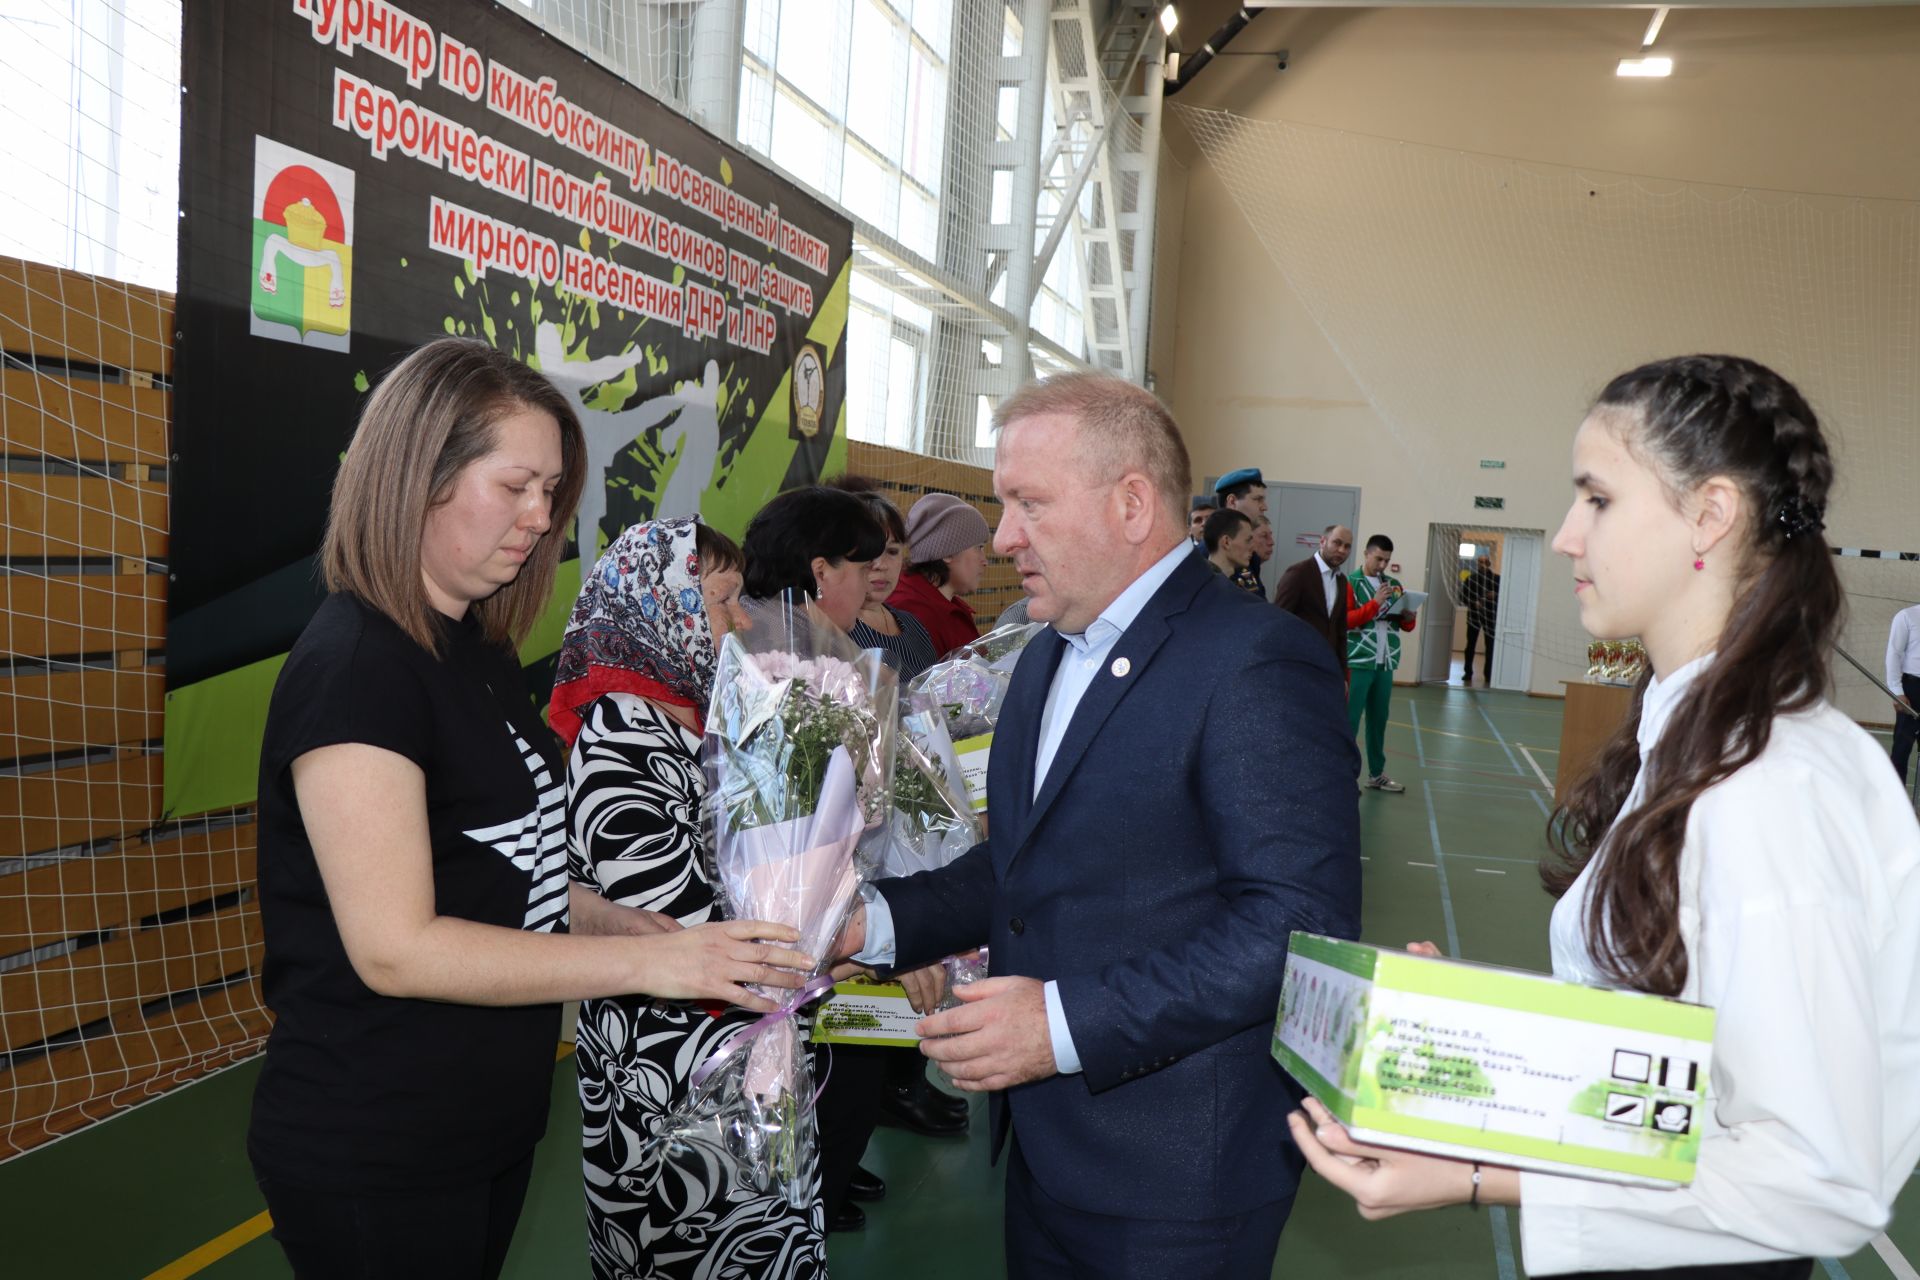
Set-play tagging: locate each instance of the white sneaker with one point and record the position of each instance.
(1383, 783)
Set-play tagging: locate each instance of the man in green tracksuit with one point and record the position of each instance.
(1373, 651)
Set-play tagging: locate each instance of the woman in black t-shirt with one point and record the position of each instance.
(413, 881)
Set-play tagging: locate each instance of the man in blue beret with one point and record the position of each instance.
(1244, 491)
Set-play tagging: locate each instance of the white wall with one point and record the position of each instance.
(1820, 101)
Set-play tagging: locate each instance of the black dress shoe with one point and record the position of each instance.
(865, 1185)
(848, 1217)
(921, 1088)
(905, 1109)
(954, 1105)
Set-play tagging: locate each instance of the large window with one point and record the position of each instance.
(855, 98)
(91, 119)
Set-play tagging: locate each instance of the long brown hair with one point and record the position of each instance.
(1695, 417)
(429, 419)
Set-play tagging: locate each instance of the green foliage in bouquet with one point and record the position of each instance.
(915, 794)
(781, 764)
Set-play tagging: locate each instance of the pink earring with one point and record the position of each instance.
(1699, 564)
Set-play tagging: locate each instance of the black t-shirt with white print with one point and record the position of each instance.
(362, 1091)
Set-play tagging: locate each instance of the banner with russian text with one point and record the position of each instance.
(358, 178)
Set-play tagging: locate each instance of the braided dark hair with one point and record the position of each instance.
(1694, 418)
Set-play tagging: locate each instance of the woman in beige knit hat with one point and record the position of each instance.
(947, 539)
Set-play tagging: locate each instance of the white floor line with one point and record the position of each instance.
(1427, 865)
(1495, 783)
(1419, 746)
(1502, 1242)
(1484, 772)
(1498, 736)
(1488, 871)
(1895, 1260)
(1534, 765)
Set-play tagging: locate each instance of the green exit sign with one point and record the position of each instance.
(1492, 464)
(1489, 504)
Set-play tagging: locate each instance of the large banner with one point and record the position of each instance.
(357, 179)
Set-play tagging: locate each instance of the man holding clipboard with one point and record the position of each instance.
(1381, 610)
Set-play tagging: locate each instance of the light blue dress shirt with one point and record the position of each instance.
(1079, 667)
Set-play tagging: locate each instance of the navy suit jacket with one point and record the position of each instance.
(1199, 808)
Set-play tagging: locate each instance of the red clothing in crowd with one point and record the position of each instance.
(1369, 612)
(949, 622)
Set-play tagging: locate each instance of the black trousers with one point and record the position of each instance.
(454, 1233)
(1905, 727)
(848, 1109)
(1795, 1269)
(1486, 667)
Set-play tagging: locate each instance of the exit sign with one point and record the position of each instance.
(1489, 504)
(1492, 464)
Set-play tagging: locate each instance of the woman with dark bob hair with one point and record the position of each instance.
(898, 635)
(1740, 843)
(413, 854)
(818, 543)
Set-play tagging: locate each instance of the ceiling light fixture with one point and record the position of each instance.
(1169, 18)
(1644, 66)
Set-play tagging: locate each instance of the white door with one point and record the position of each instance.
(1300, 513)
(1519, 600)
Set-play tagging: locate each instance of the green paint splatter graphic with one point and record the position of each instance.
(674, 416)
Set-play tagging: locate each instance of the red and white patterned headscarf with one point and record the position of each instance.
(639, 626)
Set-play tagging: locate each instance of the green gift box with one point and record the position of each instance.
(1500, 1065)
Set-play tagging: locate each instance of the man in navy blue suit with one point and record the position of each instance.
(1170, 793)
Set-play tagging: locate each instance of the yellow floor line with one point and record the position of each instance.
(1448, 733)
(252, 1229)
(215, 1249)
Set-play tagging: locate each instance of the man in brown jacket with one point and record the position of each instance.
(1315, 591)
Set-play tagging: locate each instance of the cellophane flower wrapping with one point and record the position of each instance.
(930, 822)
(971, 682)
(798, 758)
(963, 970)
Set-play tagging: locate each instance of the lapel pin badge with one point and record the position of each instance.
(1120, 666)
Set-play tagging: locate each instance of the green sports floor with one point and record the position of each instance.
(164, 1190)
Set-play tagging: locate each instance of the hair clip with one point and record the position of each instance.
(1797, 517)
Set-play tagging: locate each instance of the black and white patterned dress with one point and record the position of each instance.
(633, 820)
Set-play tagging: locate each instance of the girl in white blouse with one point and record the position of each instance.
(1740, 843)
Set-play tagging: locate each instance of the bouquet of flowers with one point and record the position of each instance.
(968, 686)
(798, 758)
(931, 821)
(970, 683)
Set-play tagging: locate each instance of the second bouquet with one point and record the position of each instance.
(798, 757)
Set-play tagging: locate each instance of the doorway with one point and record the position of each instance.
(1513, 558)
(1300, 512)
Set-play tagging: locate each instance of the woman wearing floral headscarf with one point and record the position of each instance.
(635, 673)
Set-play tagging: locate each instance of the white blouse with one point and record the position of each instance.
(1800, 911)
